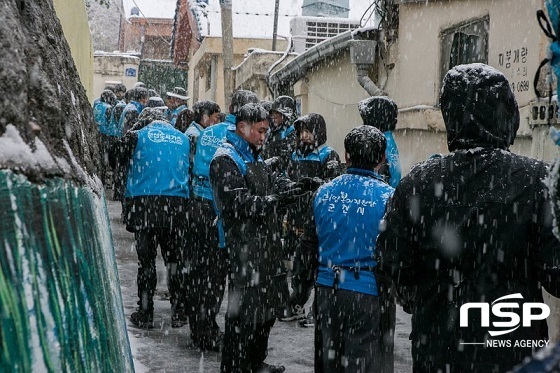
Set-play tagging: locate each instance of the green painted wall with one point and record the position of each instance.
(60, 301)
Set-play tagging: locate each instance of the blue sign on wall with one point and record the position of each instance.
(130, 72)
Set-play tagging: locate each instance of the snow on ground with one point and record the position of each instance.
(165, 349)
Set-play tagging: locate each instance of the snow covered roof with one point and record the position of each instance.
(255, 18)
(150, 8)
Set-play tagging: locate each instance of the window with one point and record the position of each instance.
(466, 42)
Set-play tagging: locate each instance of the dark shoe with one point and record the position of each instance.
(309, 321)
(267, 368)
(293, 313)
(179, 317)
(142, 319)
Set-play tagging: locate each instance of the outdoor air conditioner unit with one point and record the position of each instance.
(309, 31)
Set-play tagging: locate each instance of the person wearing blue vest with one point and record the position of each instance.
(177, 102)
(381, 112)
(117, 114)
(102, 115)
(208, 269)
(344, 219)
(250, 201)
(206, 113)
(155, 160)
(281, 140)
(138, 101)
(313, 163)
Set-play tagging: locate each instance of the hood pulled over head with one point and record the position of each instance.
(314, 123)
(478, 108)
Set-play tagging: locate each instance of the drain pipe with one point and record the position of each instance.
(362, 54)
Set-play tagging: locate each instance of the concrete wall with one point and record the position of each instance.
(210, 53)
(332, 90)
(112, 68)
(416, 79)
(513, 26)
(73, 17)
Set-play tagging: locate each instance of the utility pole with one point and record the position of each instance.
(275, 29)
(227, 49)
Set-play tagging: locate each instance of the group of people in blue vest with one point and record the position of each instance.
(117, 110)
(231, 201)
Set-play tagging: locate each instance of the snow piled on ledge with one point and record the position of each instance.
(17, 155)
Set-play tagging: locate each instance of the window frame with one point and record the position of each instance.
(446, 43)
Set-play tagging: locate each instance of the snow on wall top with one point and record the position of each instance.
(255, 18)
(151, 8)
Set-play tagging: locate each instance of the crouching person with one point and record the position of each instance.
(344, 221)
(248, 201)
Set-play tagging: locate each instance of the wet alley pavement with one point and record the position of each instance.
(166, 349)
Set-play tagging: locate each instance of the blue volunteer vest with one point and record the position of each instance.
(240, 152)
(194, 130)
(160, 163)
(318, 155)
(175, 113)
(114, 128)
(392, 154)
(347, 213)
(100, 116)
(210, 139)
(132, 105)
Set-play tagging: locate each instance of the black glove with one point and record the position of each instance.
(310, 184)
(289, 196)
(283, 183)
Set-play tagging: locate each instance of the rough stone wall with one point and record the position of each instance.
(40, 90)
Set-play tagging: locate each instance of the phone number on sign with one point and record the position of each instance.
(522, 86)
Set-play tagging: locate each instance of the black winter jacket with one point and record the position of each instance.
(258, 286)
(472, 226)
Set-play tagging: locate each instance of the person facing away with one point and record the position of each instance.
(207, 269)
(154, 157)
(281, 140)
(102, 112)
(472, 226)
(138, 101)
(117, 114)
(248, 199)
(344, 218)
(381, 112)
(313, 163)
(184, 120)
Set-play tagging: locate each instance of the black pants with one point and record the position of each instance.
(245, 345)
(104, 147)
(207, 269)
(171, 244)
(386, 342)
(303, 278)
(347, 330)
